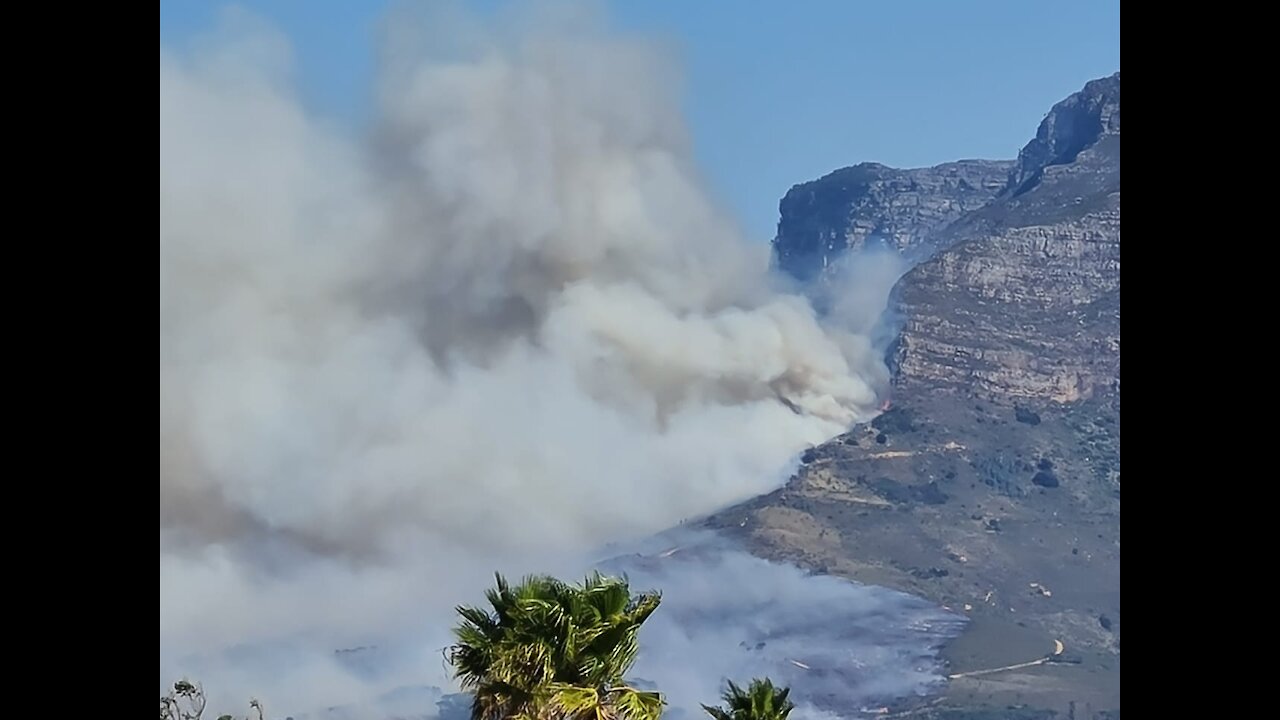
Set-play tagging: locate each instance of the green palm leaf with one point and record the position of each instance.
(549, 650)
(762, 700)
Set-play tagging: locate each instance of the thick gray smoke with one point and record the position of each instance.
(508, 327)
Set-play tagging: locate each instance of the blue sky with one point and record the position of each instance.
(783, 92)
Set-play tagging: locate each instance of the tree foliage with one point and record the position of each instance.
(762, 700)
(548, 650)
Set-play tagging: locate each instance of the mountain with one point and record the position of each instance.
(992, 486)
(1023, 302)
(822, 219)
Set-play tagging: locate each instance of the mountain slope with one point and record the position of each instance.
(993, 485)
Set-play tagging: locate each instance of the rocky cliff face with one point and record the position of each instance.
(1073, 125)
(1024, 302)
(1019, 300)
(993, 485)
(1019, 297)
(823, 219)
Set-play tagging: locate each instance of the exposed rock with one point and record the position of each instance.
(869, 202)
(1022, 299)
(1071, 126)
(1025, 301)
(1018, 306)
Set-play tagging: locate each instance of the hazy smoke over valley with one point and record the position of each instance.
(503, 329)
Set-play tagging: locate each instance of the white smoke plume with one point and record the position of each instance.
(506, 327)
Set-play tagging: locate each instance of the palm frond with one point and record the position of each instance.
(717, 713)
(572, 701)
(761, 700)
(549, 650)
(633, 704)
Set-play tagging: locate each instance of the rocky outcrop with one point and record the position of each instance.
(1018, 298)
(1024, 302)
(854, 206)
(1071, 126)
(995, 319)
(992, 486)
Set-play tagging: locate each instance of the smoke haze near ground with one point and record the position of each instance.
(507, 327)
(840, 646)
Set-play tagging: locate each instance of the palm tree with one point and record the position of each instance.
(760, 701)
(548, 650)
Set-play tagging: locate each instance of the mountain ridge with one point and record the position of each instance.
(992, 485)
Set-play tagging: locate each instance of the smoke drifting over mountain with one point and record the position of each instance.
(504, 329)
